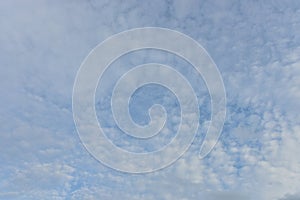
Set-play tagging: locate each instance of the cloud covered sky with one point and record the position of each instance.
(256, 46)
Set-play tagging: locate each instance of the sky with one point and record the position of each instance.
(254, 44)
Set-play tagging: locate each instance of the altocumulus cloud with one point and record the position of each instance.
(256, 46)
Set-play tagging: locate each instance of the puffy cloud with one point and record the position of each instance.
(256, 47)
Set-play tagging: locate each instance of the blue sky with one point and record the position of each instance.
(256, 46)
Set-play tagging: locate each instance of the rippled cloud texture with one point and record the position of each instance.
(256, 46)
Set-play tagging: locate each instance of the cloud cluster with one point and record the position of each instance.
(256, 46)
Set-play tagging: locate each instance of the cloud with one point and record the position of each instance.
(225, 196)
(291, 197)
(255, 46)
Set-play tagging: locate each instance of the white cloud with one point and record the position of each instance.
(256, 47)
